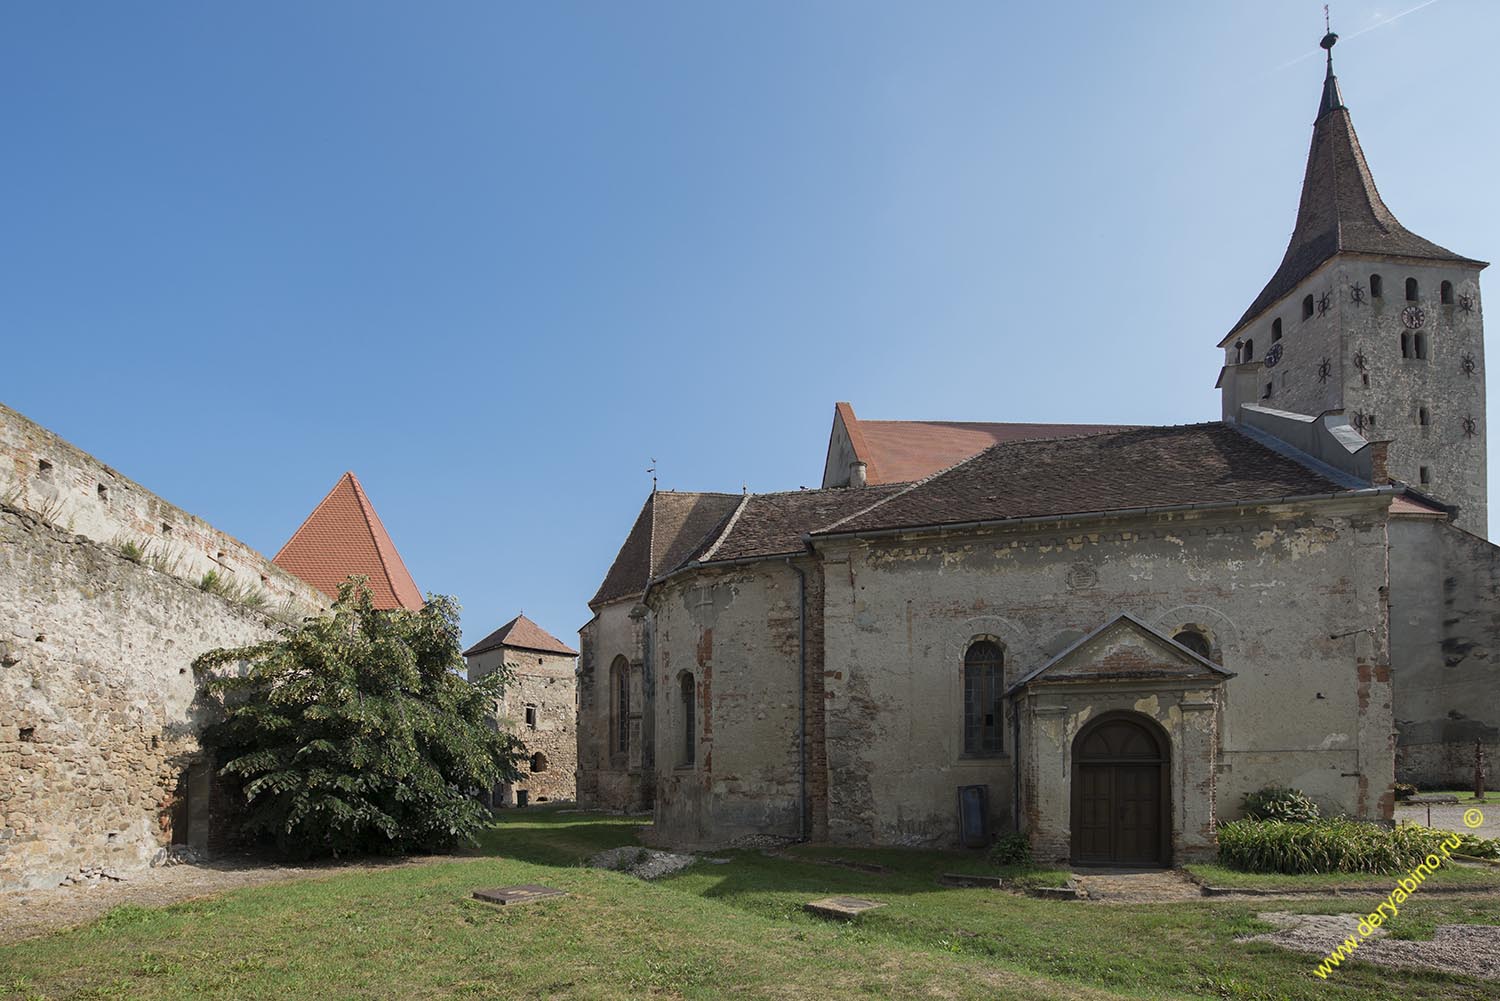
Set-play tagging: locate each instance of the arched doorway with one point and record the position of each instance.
(1121, 792)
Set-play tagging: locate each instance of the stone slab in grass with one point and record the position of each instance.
(970, 879)
(842, 908)
(525, 894)
(1055, 892)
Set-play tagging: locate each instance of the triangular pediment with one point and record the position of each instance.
(1126, 649)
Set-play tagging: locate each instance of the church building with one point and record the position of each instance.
(1100, 636)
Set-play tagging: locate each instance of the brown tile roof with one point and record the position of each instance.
(1406, 504)
(1341, 211)
(671, 526)
(1144, 467)
(521, 633)
(773, 524)
(344, 537)
(903, 451)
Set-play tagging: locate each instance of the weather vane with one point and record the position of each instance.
(652, 470)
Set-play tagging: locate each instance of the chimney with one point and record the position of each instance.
(1378, 473)
(856, 473)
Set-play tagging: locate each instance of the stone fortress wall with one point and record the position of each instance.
(100, 765)
(541, 707)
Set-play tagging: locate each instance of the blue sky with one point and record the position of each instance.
(494, 258)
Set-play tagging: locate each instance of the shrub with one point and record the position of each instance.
(1337, 845)
(356, 732)
(1473, 844)
(1277, 803)
(1011, 849)
(1404, 790)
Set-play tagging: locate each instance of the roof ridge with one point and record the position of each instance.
(907, 489)
(381, 539)
(728, 527)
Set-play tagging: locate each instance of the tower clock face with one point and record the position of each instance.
(1413, 317)
(1273, 356)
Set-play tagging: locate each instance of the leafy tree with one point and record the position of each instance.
(354, 732)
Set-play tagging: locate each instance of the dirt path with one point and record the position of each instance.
(25, 913)
(1467, 949)
(1137, 886)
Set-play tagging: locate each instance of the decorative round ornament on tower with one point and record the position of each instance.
(1414, 317)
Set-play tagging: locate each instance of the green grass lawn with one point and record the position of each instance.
(708, 932)
(1451, 875)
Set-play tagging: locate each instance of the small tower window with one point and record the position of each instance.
(1424, 418)
(1376, 287)
(531, 717)
(1276, 330)
(1411, 290)
(1424, 475)
(1249, 349)
(1370, 421)
(1445, 293)
(44, 469)
(1307, 306)
(1405, 344)
(539, 762)
(1419, 345)
(1270, 388)
(103, 493)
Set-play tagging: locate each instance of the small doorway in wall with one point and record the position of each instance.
(523, 797)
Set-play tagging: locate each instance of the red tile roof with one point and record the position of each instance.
(520, 632)
(903, 451)
(343, 537)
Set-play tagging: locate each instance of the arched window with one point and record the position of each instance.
(984, 671)
(1419, 344)
(539, 762)
(1445, 293)
(1276, 330)
(1196, 642)
(1405, 345)
(1376, 287)
(1411, 290)
(1249, 349)
(1307, 306)
(689, 719)
(1424, 418)
(619, 706)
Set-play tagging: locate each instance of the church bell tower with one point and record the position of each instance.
(1366, 319)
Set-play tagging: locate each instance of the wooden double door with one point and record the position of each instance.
(1121, 790)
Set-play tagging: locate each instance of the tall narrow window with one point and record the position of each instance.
(1419, 342)
(1445, 293)
(1424, 418)
(1376, 286)
(1411, 290)
(984, 669)
(1307, 306)
(619, 716)
(1249, 349)
(1405, 344)
(689, 719)
(1276, 330)
(1424, 475)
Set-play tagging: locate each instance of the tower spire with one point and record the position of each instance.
(1332, 98)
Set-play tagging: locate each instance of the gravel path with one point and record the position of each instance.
(1451, 817)
(1140, 886)
(646, 863)
(1466, 949)
(25, 913)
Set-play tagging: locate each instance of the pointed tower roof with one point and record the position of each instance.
(522, 633)
(1341, 211)
(342, 537)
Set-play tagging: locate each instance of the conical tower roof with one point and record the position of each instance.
(1341, 210)
(343, 537)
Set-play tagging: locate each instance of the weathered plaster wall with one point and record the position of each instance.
(97, 725)
(608, 779)
(543, 683)
(71, 489)
(737, 633)
(1291, 599)
(1445, 651)
(1388, 386)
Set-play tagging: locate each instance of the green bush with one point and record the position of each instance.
(1473, 844)
(1321, 846)
(1011, 849)
(355, 732)
(1278, 803)
(1404, 790)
